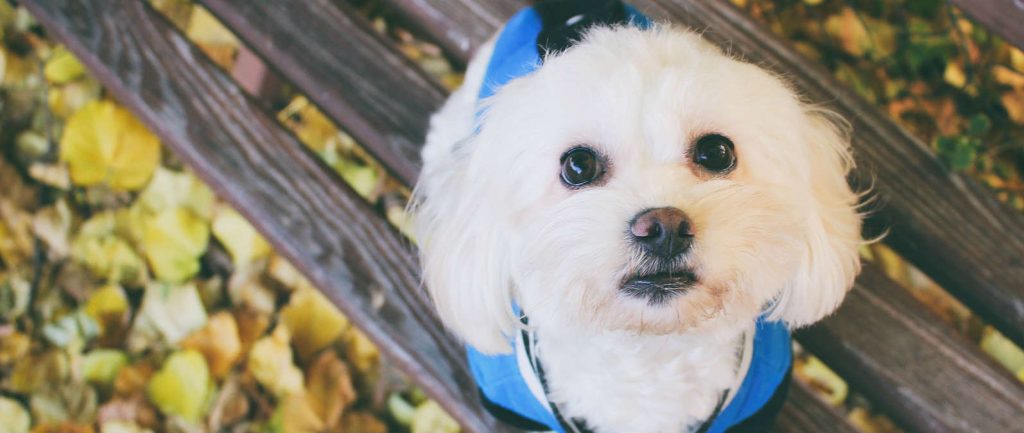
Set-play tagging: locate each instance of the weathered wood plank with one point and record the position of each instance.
(1003, 17)
(805, 413)
(941, 221)
(376, 91)
(333, 236)
(918, 370)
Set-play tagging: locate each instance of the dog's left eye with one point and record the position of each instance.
(580, 166)
(715, 153)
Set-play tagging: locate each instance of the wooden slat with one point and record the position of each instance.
(942, 222)
(919, 371)
(805, 413)
(376, 91)
(308, 214)
(1003, 17)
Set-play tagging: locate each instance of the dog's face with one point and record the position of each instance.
(640, 181)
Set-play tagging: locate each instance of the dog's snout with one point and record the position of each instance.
(665, 231)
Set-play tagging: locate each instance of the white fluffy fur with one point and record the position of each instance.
(496, 225)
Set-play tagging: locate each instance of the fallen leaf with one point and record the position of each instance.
(329, 388)
(181, 387)
(51, 225)
(295, 415)
(246, 289)
(239, 237)
(104, 143)
(108, 306)
(362, 422)
(829, 386)
(229, 407)
(313, 321)
(73, 403)
(173, 240)
(401, 410)
(13, 417)
(218, 342)
(14, 345)
(361, 351)
(849, 31)
(62, 67)
(173, 189)
(212, 37)
(430, 418)
(251, 325)
(32, 373)
(132, 379)
(168, 313)
(15, 293)
(1014, 104)
(1002, 349)
(100, 366)
(270, 362)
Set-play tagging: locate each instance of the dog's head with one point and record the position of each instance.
(641, 180)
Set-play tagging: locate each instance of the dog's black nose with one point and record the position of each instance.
(665, 231)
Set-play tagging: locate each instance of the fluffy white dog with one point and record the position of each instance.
(645, 200)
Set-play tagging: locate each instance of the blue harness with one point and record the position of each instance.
(513, 385)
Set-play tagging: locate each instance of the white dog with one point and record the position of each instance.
(648, 203)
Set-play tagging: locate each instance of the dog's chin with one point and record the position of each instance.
(659, 288)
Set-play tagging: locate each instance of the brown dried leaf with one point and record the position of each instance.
(218, 342)
(329, 388)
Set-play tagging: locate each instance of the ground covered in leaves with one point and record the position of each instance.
(132, 299)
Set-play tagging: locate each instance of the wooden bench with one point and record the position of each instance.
(906, 361)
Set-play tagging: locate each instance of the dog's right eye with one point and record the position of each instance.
(580, 166)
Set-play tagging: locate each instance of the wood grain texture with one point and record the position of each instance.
(1003, 17)
(918, 370)
(805, 413)
(943, 222)
(310, 216)
(333, 56)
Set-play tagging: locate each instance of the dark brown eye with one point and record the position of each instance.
(715, 153)
(580, 166)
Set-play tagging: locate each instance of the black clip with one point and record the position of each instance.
(564, 21)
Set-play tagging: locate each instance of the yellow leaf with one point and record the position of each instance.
(270, 362)
(1002, 349)
(954, 75)
(182, 386)
(13, 346)
(62, 67)
(295, 415)
(13, 417)
(212, 37)
(101, 366)
(361, 351)
(430, 418)
(170, 189)
(313, 321)
(218, 342)
(168, 313)
(847, 29)
(831, 387)
(1017, 59)
(173, 240)
(104, 253)
(1014, 104)
(242, 241)
(283, 272)
(104, 143)
(108, 306)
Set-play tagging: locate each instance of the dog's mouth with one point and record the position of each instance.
(659, 287)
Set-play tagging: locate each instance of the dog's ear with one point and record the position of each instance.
(830, 259)
(463, 252)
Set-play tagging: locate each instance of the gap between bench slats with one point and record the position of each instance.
(244, 17)
(310, 216)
